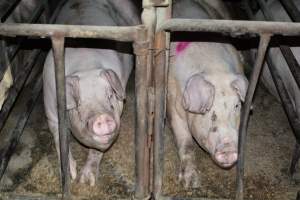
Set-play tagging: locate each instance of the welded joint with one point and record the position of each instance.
(155, 3)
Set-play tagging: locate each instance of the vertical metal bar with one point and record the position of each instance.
(263, 45)
(142, 156)
(160, 85)
(59, 60)
(149, 20)
(295, 158)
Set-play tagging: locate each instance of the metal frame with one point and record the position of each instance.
(236, 28)
(151, 45)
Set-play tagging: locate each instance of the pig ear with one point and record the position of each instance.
(198, 95)
(72, 92)
(114, 82)
(240, 85)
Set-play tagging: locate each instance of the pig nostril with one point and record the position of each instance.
(226, 158)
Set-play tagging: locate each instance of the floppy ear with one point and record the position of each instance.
(72, 92)
(114, 82)
(240, 85)
(198, 95)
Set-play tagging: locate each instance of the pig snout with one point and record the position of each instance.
(226, 154)
(102, 127)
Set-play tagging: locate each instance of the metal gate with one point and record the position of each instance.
(151, 46)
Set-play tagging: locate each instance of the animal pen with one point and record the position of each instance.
(151, 43)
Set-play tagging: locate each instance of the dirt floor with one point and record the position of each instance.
(34, 168)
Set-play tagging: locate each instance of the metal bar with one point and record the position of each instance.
(117, 33)
(160, 85)
(285, 50)
(28, 97)
(4, 61)
(17, 86)
(142, 151)
(288, 107)
(233, 28)
(9, 10)
(291, 9)
(295, 159)
(263, 45)
(35, 17)
(59, 61)
(292, 63)
(149, 20)
(287, 104)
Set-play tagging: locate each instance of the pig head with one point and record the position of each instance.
(94, 103)
(212, 103)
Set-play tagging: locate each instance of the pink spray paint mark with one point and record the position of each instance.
(181, 46)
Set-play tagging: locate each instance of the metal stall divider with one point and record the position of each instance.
(19, 81)
(293, 116)
(236, 28)
(57, 33)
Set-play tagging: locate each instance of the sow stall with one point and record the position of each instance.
(151, 47)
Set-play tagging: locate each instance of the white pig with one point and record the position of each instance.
(206, 87)
(95, 82)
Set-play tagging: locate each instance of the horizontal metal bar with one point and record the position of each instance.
(124, 33)
(231, 27)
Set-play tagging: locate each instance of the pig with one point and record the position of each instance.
(206, 88)
(277, 58)
(95, 82)
(21, 14)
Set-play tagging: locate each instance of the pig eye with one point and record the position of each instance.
(112, 107)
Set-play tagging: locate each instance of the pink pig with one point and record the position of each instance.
(206, 87)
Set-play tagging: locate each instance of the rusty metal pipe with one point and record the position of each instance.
(160, 70)
(233, 28)
(263, 45)
(117, 33)
(142, 155)
(59, 61)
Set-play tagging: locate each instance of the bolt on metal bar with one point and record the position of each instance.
(59, 61)
(263, 45)
(117, 33)
(231, 27)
